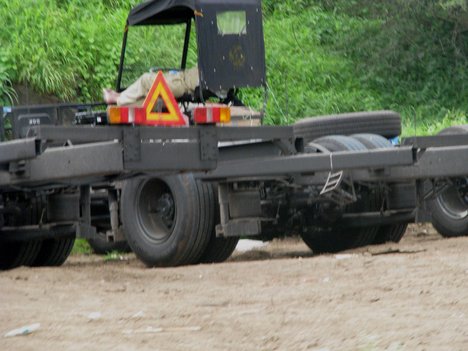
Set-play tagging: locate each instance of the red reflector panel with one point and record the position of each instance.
(126, 115)
(212, 114)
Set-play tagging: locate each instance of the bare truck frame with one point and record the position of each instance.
(185, 195)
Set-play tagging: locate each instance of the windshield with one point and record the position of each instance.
(153, 48)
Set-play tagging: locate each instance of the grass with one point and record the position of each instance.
(416, 122)
(113, 256)
(81, 247)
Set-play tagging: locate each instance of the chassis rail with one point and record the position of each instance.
(85, 155)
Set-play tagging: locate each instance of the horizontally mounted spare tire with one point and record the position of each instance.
(167, 220)
(449, 210)
(385, 123)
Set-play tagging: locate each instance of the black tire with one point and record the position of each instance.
(461, 129)
(218, 249)
(54, 252)
(23, 253)
(15, 254)
(332, 239)
(207, 219)
(392, 232)
(385, 123)
(100, 218)
(334, 143)
(449, 210)
(167, 221)
(101, 246)
(373, 141)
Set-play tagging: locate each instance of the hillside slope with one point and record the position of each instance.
(323, 56)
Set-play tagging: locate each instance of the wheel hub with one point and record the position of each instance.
(165, 208)
(157, 210)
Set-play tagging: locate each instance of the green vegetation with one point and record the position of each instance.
(113, 256)
(82, 247)
(348, 55)
(323, 56)
(66, 48)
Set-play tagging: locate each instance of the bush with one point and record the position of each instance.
(66, 48)
(413, 53)
(306, 75)
(7, 68)
(322, 56)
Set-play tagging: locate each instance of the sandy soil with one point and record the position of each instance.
(412, 296)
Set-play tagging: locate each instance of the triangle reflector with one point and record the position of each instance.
(160, 90)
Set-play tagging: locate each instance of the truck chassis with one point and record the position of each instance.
(184, 195)
(266, 181)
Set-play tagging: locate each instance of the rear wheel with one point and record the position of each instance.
(100, 218)
(331, 238)
(22, 253)
(392, 232)
(101, 246)
(167, 221)
(15, 254)
(218, 249)
(449, 210)
(54, 252)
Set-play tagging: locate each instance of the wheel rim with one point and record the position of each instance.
(156, 210)
(454, 202)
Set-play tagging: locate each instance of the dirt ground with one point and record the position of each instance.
(411, 296)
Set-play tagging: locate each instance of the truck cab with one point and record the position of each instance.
(222, 39)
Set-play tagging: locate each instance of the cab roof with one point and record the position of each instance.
(225, 60)
(162, 12)
(176, 11)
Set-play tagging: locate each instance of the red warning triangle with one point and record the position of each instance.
(159, 89)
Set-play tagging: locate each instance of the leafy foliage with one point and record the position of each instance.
(306, 74)
(69, 48)
(413, 53)
(6, 67)
(81, 247)
(323, 56)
